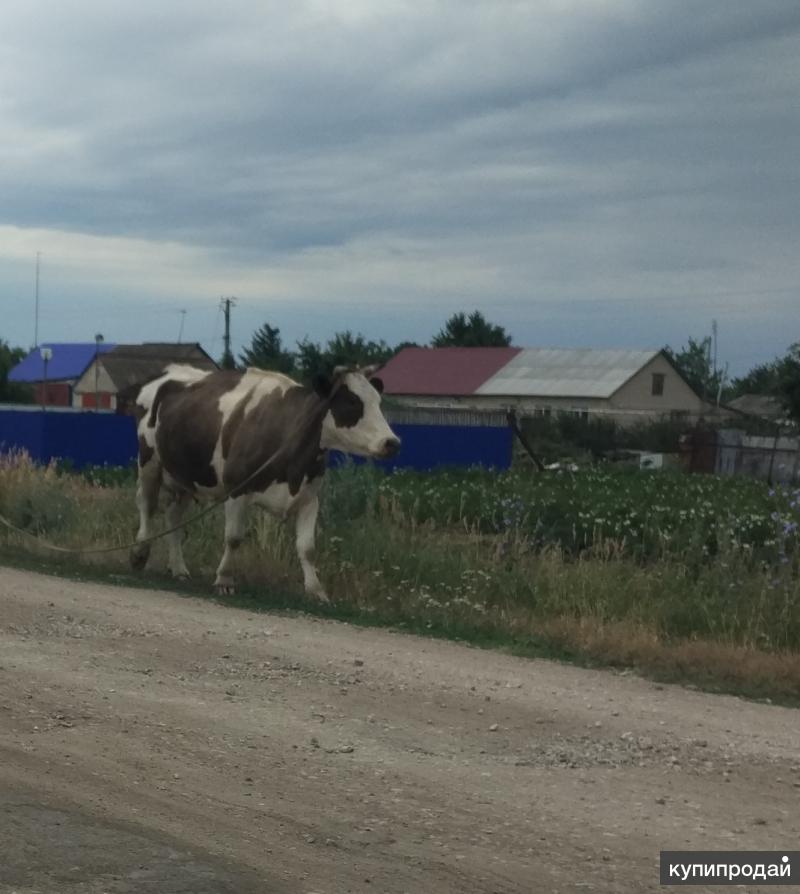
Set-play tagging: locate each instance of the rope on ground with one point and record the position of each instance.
(109, 549)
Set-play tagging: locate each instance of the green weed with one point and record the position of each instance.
(623, 566)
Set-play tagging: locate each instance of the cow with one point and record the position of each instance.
(249, 437)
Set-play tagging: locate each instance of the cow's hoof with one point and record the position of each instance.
(319, 594)
(181, 574)
(224, 587)
(138, 556)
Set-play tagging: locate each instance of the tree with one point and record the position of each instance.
(343, 349)
(761, 379)
(789, 382)
(310, 359)
(474, 331)
(404, 344)
(266, 351)
(780, 378)
(346, 349)
(12, 392)
(694, 363)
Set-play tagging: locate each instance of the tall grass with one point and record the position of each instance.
(744, 593)
(705, 565)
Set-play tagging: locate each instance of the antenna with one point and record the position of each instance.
(722, 381)
(36, 306)
(714, 334)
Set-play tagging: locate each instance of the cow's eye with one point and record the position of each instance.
(347, 408)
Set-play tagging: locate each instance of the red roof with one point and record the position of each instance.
(443, 371)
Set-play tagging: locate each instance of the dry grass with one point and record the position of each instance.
(724, 624)
(724, 667)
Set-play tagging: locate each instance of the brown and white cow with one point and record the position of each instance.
(208, 435)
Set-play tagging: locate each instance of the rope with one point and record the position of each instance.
(91, 550)
(192, 519)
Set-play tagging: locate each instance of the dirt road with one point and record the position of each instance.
(154, 743)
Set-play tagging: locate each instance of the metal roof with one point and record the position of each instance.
(567, 372)
(758, 405)
(68, 362)
(451, 371)
(130, 365)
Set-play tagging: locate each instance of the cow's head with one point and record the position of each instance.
(354, 422)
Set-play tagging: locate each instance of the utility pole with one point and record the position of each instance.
(46, 355)
(98, 340)
(227, 357)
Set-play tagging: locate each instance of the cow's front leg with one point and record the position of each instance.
(306, 531)
(235, 518)
(147, 488)
(175, 508)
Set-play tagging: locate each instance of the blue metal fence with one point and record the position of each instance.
(426, 447)
(83, 439)
(86, 439)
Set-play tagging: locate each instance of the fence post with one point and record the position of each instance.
(772, 453)
(514, 423)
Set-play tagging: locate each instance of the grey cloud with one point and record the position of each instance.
(583, 147)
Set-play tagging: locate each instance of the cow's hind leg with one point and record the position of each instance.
(235, 518)
(174, 511)
(306, 533)
(147, 488)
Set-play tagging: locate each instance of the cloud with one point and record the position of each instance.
(626, 155)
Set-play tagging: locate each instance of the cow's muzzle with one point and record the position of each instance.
(390, 448)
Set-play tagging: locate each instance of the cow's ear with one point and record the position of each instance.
(322, 385)
(377, 384)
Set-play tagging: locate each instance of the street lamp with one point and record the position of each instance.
(46, 355)
(98, 340)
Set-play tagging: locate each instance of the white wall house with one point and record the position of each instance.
(626, 385)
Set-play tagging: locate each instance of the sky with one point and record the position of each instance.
(587, 173)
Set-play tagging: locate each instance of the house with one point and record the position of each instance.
(626, 385)
(53, 381)
(114, 377)
(761, 405)
(86, 375)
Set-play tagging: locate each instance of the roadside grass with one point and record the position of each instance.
(727, 622)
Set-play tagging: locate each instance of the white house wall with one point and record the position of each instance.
(538, 406)
(637, 393)
(86, 383)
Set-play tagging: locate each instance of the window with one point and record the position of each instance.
(658, 385)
